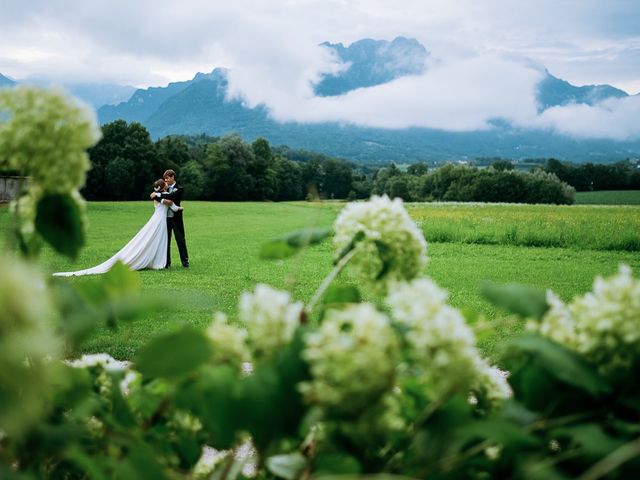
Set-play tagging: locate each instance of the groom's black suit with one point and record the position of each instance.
(175, 224)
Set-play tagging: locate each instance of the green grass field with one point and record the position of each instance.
(613, 197)
(562, 248)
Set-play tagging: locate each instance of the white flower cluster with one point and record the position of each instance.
(29, 344)
(352, 357)
(440, 343)
(270, 318)
(603, 325)
(99, 359)
(229, 342)
(45, 135)
(391, 240)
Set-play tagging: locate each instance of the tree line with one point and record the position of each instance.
(590, 176)
(126, 162)
(464, 183)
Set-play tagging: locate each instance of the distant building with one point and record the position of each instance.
(10, 187)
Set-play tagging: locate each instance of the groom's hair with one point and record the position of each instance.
(169, 173)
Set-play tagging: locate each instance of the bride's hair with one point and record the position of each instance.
(159, 185)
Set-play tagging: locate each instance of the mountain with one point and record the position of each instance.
(372, 62)
(99, 94)
(145, 102)
(553, 92)
(200, 106)
(6, 82)
(95, 94)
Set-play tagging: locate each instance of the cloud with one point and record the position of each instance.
(614, 118)
(459, 95)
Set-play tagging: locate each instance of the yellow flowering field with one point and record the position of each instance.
(577, 226)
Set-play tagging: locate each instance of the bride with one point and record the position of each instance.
(148, 249)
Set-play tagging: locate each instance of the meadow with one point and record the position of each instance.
(558, 247)
(609, 197)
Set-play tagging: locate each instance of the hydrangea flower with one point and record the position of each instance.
(229, 342)
(45, 135)
(270, 318)
(441, 344)
(99, 359)
(393, 247)
(603, 325)
(352, 357)
(491, 383)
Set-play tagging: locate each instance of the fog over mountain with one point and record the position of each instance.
(95, 94)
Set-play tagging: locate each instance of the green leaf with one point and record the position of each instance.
(120, 279)
(86, 463)
(338, 294)
(292, 243)
(500, 431)
(121, 411)
(591, 438)
(59, 222)
(216, 399)
(144, 461)
(336, 463)
(308, 236)
(358, 237)
(276, 250)
(385, 255)
(525, 301)
(174, 354)
(288, 466)
(562, 363)
(514, 411)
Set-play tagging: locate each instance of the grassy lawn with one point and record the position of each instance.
(613, 197)
(224, 238)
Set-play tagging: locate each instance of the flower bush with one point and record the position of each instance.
(603, 325)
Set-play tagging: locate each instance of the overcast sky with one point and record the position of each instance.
(487, 56)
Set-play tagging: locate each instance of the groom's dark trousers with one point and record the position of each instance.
(175, 225)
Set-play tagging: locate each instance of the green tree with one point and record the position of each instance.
(131, 143)
(261, 169)
(418, 169)
(121, 182)
(338, 178)
(193, 180)
(288, 179)
(226, 169)
(502, 165)
(173, 153)
(381, 179)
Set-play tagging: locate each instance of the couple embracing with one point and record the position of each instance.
(151, 246)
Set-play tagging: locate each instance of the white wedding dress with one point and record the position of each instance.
(148, 249)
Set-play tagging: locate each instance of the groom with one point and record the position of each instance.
(175, 222)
